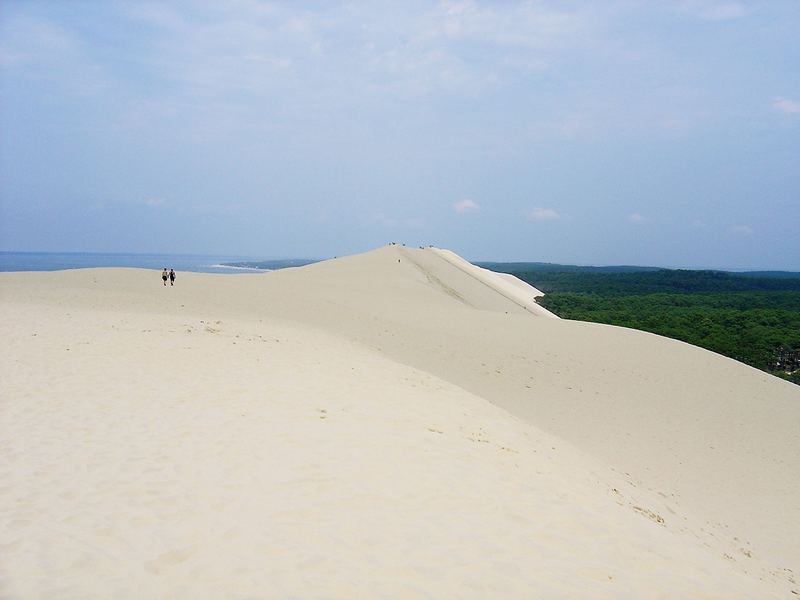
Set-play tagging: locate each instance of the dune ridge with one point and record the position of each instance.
(383, 424)
(504, 284)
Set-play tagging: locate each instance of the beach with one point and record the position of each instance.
(394, 424)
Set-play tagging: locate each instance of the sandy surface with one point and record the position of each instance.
(508, 286)
(386, 425)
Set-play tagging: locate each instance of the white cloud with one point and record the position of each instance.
(572, 126)
(741, 230)
(34, 41)
(637, 218)
(459, 45)
(786, 106)
(154, 202)
(520, 25)
(50, 54)
(542, 214)
(465, 206)
(241, 66)
(261, 49)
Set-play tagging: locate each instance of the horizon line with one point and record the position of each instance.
(474, 261)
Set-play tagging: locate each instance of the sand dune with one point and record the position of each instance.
(395, 424)
(506, 285)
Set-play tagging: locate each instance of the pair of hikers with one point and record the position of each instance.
(170, 276)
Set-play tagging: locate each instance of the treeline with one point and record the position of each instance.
(755, 320)
(541, 267)
(654, 282)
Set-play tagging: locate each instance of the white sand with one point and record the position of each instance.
(506, 285)
(365, 428)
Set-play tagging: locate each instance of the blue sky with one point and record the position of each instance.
(615, 132)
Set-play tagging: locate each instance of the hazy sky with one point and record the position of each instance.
(614, 132)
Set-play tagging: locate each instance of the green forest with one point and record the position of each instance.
(752, 318)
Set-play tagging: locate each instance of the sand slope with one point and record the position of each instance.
(383, 425)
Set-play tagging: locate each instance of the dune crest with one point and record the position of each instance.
(504, 284)
(394, 423)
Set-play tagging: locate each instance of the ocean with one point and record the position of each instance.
(56, 261)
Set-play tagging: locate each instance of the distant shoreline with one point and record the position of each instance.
(238, 268)
(270, 265)
(208, 263)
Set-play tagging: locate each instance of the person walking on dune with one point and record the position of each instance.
(164, 276)
(172, 276)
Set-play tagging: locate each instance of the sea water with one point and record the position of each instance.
(56, 261)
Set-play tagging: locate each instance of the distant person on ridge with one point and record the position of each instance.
(172, 277)
(164, 276)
